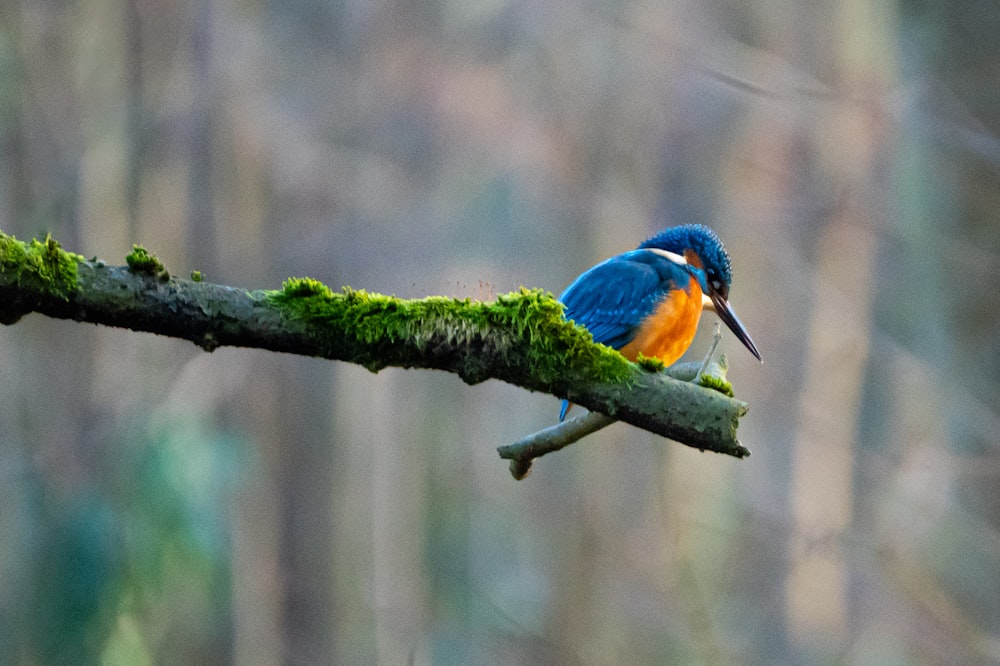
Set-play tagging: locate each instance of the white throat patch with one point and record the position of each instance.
(676, 258)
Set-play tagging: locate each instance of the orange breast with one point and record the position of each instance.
(669, 330)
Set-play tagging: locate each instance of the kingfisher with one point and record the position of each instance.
(648, 301)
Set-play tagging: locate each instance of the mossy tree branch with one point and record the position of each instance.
(521, 338)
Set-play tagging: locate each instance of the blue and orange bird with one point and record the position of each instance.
(649, 301)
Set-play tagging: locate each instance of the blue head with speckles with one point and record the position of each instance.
(703, 249)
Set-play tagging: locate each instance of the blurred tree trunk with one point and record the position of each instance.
(854, 156)
(136, 137)
(305, 481)
(201, 233)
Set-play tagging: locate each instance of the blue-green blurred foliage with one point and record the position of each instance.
(128, 555)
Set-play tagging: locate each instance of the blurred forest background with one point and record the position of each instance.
(163, 505)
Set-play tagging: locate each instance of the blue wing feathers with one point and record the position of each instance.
(612, 298)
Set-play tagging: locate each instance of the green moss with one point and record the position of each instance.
(41, 265)
(650, 363)
(196, 276)
(294, 288)
(719, 384)
(554, 342)
(525, 328)
(140, 260)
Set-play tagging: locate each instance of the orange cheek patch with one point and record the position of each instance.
(669, 331)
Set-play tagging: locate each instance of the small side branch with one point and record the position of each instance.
(711, 374)
(523, 452)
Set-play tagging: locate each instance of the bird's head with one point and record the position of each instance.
(703, 251)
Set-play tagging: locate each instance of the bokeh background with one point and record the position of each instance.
(163, 505)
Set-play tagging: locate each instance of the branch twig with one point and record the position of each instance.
(710, 373)
(523, 452)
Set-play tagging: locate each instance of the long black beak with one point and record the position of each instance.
(727, 315)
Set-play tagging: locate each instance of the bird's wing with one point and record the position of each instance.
(612, 298)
